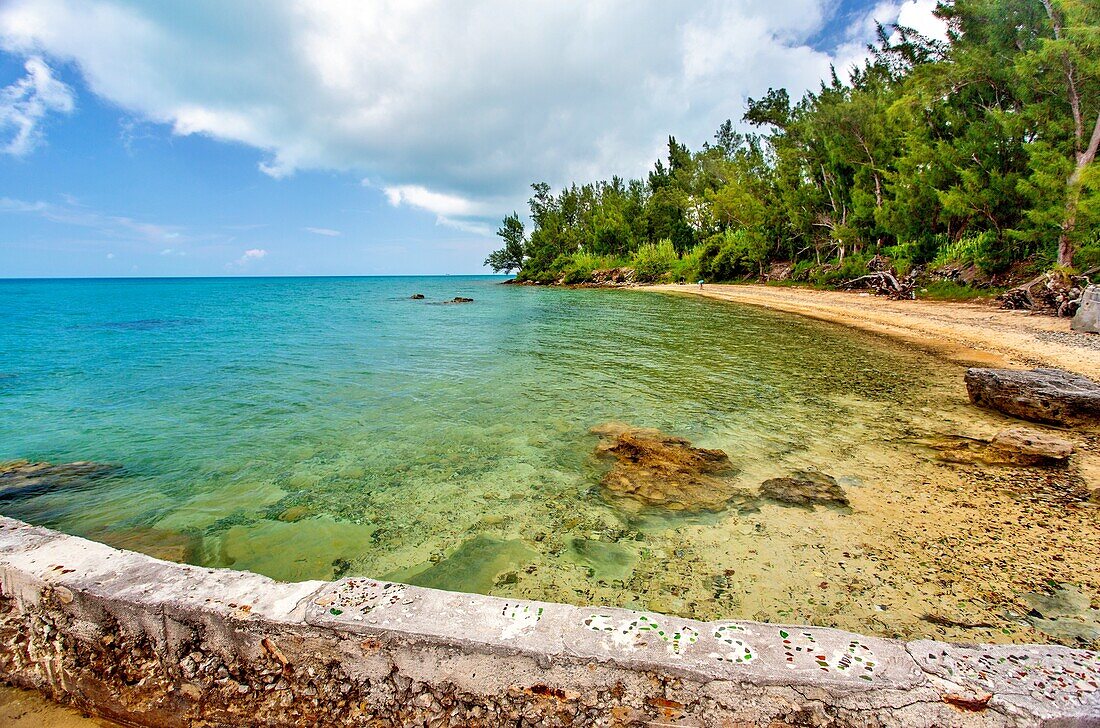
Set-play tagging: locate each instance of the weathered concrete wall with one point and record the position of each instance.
(150, 643)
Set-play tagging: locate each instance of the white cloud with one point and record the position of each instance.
(918, 15)
(450, 108)
(253, 254)
(72, 212)
(327, 232)
(25, 103)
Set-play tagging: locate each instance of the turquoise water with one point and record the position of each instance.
(311, 428)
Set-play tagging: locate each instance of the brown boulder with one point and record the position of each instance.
(653, 468)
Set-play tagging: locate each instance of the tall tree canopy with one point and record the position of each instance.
(978, 151)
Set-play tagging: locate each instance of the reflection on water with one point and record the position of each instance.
(313, 428)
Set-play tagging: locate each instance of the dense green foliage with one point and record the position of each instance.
(978, 152)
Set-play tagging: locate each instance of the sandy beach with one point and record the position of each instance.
(971, 333)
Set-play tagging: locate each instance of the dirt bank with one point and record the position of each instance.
(971, 333)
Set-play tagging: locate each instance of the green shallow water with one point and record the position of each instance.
(312, 428)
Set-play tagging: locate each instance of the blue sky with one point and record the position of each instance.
(201, 138)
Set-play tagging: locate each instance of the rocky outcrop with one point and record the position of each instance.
(653, 468)
(1087, 318)
(461, 299)
(804, 489)
(22, 478)
(417, 296)
(1042, 395)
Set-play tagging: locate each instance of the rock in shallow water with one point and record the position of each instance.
(21, 478)
(804, 488)
(1065, 613)
(1043, 395)
(653, 468)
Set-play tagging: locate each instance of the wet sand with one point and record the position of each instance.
(27, 709)
(971, 333)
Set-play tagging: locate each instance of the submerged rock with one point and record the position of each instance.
(180, 546)
(1065, 614)
(460, 299)
(22, 478)
(805, 489)
(474, 566)
(653, 468)
(605, 561)
(417, 296)
(1043, 395)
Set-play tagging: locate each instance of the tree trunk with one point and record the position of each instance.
(1066, 246)
(1083, 157)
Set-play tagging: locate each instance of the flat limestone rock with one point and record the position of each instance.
(653, 468)
(1011, 446)
(805, 489)
(1052, 396)
(1032, 447)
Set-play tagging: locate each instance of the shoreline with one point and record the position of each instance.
(972, 334)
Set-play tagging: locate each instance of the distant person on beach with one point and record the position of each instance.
(700, 284)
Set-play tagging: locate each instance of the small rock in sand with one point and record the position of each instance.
(805, 489)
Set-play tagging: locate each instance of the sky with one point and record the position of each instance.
(231, 137)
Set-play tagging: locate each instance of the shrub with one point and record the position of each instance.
(734, 254)
(690, 265)
(902, 256)
(653, 262)
(578, 267)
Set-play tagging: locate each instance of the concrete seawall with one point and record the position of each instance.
(150, 643)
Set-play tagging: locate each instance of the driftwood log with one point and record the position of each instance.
(885, 283)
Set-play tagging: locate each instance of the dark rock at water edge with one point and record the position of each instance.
(460, 299)
(1053, 396)
(22, 478)
(805, 489)
(417, 296)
